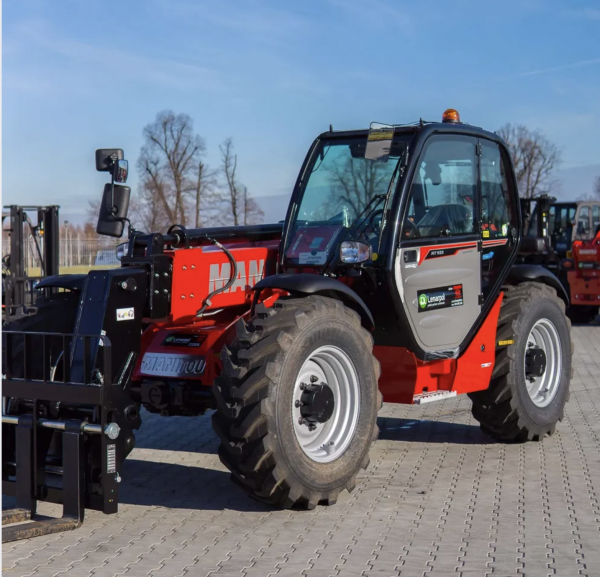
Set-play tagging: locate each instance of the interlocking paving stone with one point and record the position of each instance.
(439, 498)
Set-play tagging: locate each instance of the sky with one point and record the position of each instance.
(273, 75)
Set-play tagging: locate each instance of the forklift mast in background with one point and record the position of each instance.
(18, 286)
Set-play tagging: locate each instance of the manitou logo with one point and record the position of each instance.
(219, 275)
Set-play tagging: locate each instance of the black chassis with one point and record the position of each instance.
(75, 406)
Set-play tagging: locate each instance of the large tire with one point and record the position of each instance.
(257, 389)
(534, 316)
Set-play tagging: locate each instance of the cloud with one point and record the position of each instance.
(580, 64)
(243, 17)
(375, 12)
(118, 65)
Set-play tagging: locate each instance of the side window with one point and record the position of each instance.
(442, 195)
(497, 209)
(583, 221)
(595, 217)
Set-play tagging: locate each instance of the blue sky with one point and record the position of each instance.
(272, 75)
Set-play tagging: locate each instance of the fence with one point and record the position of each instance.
(76, 254)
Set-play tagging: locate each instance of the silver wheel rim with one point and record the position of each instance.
(328, 440)
(542, 390)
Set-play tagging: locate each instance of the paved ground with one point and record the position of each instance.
(440, 498)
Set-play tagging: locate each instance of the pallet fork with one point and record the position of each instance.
(25, 492)
(58, 425)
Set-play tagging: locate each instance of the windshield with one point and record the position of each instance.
(344, 191)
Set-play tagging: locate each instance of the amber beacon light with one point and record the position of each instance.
(451, 116)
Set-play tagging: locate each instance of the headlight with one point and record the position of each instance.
(353, 252)
(121, 250)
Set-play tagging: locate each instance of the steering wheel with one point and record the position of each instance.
(410, 229)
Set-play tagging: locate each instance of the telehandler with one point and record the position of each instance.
(393, 278)
(563, 237)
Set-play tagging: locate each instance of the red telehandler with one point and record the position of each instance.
(583, 274)
(393, 278)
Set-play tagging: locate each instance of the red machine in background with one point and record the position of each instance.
(584, 274)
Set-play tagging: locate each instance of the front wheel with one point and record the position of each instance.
(531, 377)
(297, 402)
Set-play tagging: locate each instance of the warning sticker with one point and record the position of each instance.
(440, 298)
(313, 257)
(125, 314)
(111, 459)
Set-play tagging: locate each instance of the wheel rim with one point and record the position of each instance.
(543, 389)
(327, 441)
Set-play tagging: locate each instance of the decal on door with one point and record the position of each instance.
(439, 252)
(445, 250)
(440, 298)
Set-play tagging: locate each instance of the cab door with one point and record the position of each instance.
(438, 263)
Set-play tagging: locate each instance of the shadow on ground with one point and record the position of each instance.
(176, 486)
(180, 486)
(414, 431)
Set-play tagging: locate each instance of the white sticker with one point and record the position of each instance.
(111, 459)
(310, 258)
(486, 365)
(125, 314)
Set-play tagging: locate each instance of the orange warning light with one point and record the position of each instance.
(451, 115)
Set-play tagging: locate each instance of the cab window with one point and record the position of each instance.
(595, 217)
(583, 221)
(497, 211)
(443, 191)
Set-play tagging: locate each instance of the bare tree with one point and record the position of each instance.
(171, 171)
(596, 192)
(534, 158)
(356, 182)
(237, 204)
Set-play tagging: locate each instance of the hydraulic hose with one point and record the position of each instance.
(234, 270)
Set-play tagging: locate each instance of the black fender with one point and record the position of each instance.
(73, 282)
(536, 273)
(310, 284)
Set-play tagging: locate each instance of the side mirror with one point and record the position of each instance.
(120, 171)
(113, 210)
(106, 158)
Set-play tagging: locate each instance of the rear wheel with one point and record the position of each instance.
(531, 378)
(297, 402)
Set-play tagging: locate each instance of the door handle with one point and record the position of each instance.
(410, 255)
